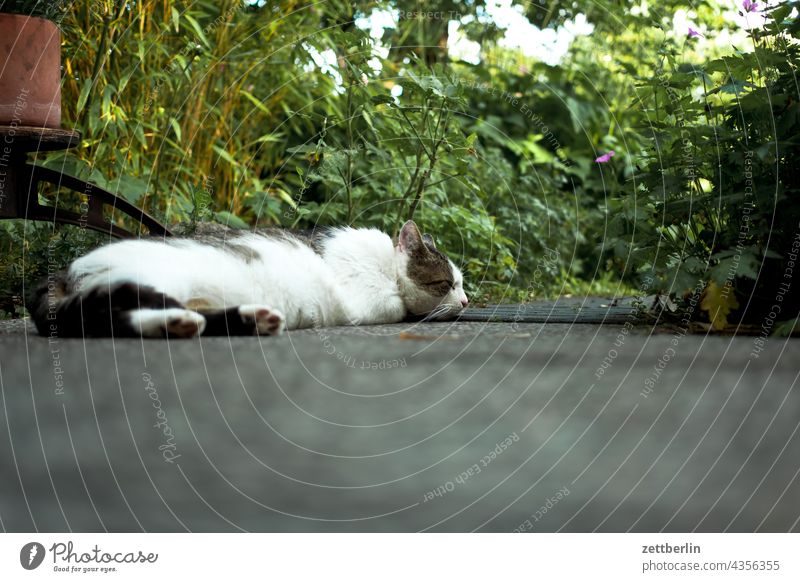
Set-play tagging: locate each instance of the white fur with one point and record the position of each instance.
(157, 322)
(360, 277)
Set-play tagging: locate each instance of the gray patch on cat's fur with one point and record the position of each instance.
(314, 239)
(220, 235)
(228, 245)
(247, 254)
(224, 238)
(427, 265)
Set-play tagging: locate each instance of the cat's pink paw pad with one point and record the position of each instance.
(267, 321)
(173, 322)
(187, 324)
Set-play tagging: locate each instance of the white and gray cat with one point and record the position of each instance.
(249, 284)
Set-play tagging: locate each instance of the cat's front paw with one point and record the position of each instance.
(265, 320)
(172, 322)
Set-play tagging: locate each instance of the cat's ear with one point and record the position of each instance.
(410, 239)
(428, 240)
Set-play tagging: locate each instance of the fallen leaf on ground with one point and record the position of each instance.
(718, 302)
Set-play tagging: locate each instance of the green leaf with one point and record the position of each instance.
(138, 132)
(250, 97)
(176, 128)
(176, 19)
(202, 204)
(269, 138)
(105, 107)
(124, 80)
(84, 94)
(224, 155)
(781, 12)
(787, 328)
(131, 188)
(229, 219)
(198, 30)
(733, 264)
(379, 99)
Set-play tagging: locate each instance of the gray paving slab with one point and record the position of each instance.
(566, 310)
(440, 427)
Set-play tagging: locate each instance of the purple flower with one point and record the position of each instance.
(693, 33)
(749, 6)
(605, 158)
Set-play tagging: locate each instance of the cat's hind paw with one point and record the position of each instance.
(265, 320)
(172, 322)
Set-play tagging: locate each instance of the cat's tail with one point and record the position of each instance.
(59, 310)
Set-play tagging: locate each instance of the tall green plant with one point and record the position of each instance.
(716, 198)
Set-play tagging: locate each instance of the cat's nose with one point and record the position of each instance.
(464, 302)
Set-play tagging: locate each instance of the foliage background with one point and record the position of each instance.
(288, 113)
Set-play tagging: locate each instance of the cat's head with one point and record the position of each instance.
(430, 283)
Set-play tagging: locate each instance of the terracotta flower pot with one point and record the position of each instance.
(30, 71)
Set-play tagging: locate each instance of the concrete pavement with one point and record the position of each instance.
(439, 427)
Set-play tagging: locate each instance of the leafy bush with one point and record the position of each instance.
(32, 251)
(715, 201)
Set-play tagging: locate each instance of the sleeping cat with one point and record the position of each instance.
(247, 284)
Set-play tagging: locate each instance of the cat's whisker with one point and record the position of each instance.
(432, 315)
(439, 311)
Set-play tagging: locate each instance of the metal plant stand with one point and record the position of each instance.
(19, 185)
